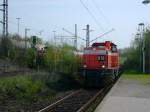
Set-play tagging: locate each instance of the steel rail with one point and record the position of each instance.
(101, 93)
(58, 102)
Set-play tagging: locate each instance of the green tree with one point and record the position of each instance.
(134, 55)
(6, 47)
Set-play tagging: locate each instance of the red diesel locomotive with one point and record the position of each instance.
(101, 60)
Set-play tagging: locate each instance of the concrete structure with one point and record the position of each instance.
(21, 43)
(128, 95)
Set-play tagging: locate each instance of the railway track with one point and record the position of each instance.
(78, 101)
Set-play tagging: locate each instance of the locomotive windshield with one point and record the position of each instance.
(114, 49)
(99, 45)
(102, 47)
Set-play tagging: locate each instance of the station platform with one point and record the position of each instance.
(129, 94)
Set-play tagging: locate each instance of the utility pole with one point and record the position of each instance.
(55, 51)
(88, 35)
(75, 35)
(18, 21)
(54, 37)
(140, 50)
(4, 22)
(26, 32)
(143, 51)
(75, 40)
(141, 25)
(6, 18)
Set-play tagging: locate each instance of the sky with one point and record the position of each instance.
(53, 15)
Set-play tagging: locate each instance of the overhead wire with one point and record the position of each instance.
(91, 14)
(103, 15)
(100, 12)
(106, 33)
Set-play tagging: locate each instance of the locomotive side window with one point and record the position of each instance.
(114, 49)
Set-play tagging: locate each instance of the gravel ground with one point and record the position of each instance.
(12, 106)
(8, 68)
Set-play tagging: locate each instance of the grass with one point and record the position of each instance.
(131, 72)
(144, 78)
(21, 88)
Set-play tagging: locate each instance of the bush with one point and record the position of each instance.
(55, 59)
(21, 88)
(62, 58)
(134, 57)
(6, 47)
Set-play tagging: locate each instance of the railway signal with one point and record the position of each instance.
(34, 40)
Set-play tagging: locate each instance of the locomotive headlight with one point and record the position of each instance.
(85, 66)
(103, 66)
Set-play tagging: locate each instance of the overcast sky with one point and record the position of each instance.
(50, 15)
